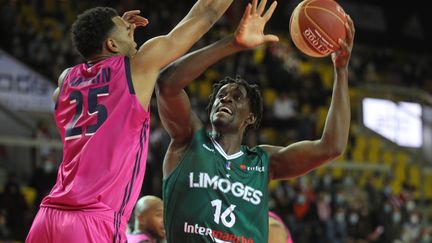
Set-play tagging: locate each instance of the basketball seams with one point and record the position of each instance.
(310, 35)
(326, 10)
(294, 21)
(304, 8)
(319, 28)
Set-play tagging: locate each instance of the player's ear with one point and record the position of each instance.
(251, 119)
(111, 45)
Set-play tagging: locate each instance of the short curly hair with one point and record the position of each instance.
(253, 94)
(91, 28)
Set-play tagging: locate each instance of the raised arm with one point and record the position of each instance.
(158, 52)
(173, 104)
(302, 157)
(180, 123)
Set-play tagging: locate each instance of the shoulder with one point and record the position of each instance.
(258, 151)
(63, 76)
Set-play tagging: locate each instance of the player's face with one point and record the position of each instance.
(155, 224)
(123, 35)
(231, 106)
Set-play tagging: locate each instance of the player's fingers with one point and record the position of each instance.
(351, 23)
(270, 11)
(140, 21)
(261, 7)
(246, 13)
(271, 38)
(254, 6)
(344, 50)
(132, 29)
(128, 14)
(350, 34)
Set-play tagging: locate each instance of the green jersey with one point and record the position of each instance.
(215, 197)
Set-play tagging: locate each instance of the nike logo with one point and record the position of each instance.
(209, 149)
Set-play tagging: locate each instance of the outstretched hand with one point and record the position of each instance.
(341, 57)
(133, 17)
(250, 31)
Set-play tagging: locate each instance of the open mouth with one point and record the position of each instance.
(225, 109)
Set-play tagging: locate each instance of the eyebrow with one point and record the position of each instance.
(236, 89)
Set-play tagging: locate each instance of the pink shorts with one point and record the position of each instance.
(53, 225)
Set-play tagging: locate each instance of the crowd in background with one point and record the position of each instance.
(320, 207)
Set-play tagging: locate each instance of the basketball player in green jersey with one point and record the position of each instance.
(215, 188)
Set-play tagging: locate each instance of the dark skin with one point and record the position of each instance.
(228, 126)
(156, 53)
(149, 218)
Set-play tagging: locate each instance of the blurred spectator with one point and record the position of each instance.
(284, 107)
(44, 177)
(392, 224)
(4, 230)
(13, 201)
(411, 230)
(148, 221)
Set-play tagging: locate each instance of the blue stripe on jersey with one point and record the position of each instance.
(129, 76)
(129, 186)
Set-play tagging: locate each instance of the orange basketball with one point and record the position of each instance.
(316, 26)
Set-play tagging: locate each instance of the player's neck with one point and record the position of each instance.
(230, 142)
(98, 58)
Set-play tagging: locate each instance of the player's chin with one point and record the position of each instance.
(221, 121)
(161, 234)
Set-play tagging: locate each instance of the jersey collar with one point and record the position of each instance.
(222, 152)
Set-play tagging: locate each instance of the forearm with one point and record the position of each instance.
(211, 9)
(336, 129)
(184, 70)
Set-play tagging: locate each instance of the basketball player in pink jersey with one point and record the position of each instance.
(102, 114)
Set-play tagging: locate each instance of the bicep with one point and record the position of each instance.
(295, 159)
(162, 50)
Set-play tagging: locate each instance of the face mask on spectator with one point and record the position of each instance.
(387, 208)
(340, 199)
(301, 199)
(340, 217)
(414, 218)
(353, 218)
(387, 190)
(410, 205)
(396, 217)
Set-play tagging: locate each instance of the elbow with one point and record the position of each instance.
(334, 148)
(336, 151)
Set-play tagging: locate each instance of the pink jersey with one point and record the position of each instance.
(105, 133)
(137, 238)
(277, 218)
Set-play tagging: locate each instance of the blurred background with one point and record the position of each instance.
(380, 190)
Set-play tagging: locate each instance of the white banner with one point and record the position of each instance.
(21, 88)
